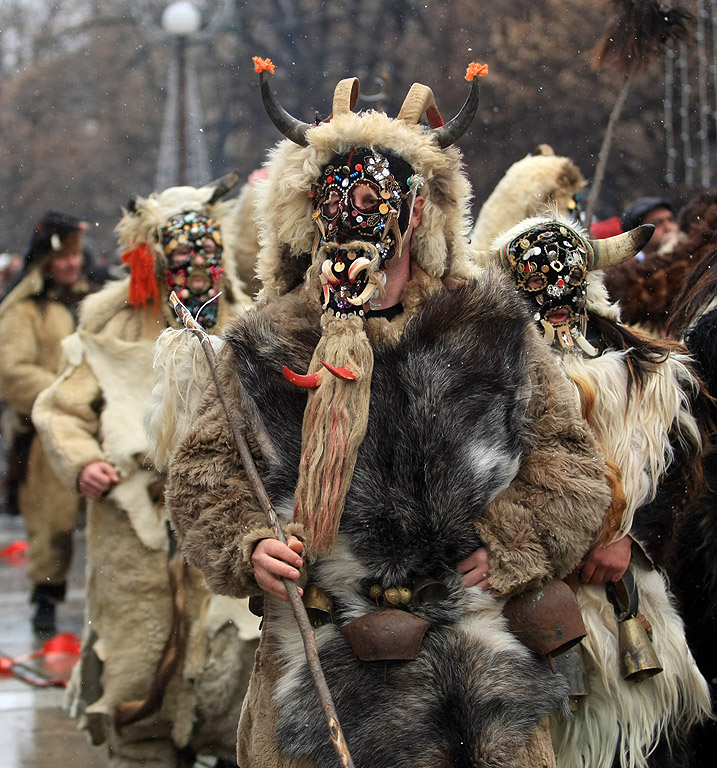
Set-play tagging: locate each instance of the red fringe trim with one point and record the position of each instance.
(142, 282)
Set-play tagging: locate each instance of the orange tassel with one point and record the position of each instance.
(262, 65)
(476, 70)
(142, 282)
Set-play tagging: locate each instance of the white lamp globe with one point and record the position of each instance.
(181, 18)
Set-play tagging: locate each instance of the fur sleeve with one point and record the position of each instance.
(66, 416)
(29, 346)
(543, 523)
(210, 499)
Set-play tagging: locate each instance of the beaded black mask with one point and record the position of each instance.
(550, 263)
(192, 245)
(360, 215)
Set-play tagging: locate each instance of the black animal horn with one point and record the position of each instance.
(452, 131)
(291, 127)
(222, 186)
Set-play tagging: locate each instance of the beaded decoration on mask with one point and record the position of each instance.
(192, 244)
(550, 263)
(360, 217)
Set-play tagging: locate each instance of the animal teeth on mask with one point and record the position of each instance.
(359, 265)
(328, 273)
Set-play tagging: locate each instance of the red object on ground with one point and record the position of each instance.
(15, 553)
(60, 654)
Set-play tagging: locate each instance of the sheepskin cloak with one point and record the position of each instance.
(644, 431)
(93, 412)
(472, 439)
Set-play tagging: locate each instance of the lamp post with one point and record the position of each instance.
(180, 20)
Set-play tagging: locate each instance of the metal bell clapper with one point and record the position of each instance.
(318, 604)
(572, 666)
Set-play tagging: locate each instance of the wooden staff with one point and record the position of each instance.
(302, 619)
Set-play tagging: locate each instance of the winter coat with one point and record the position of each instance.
(32, 328)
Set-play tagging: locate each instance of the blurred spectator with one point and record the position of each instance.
(650, 210)
(10, 266)
(34, 318)
(643, 302)
(599, 230)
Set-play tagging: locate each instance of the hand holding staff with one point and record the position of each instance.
(307, 633)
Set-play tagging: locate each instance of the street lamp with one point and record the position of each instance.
(180, 20)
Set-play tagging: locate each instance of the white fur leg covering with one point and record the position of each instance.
(624, 717)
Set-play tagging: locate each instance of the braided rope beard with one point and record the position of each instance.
(351, 247)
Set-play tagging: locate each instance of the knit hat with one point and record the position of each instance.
(637, 210)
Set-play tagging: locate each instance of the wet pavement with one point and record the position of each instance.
(34, 730)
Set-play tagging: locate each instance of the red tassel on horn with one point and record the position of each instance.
(305, 381)
(142, 282)
(344, 373)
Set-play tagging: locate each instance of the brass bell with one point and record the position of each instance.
(638, 659)
(392, 596)
(376, 592)
(405, 595)
(318, 604)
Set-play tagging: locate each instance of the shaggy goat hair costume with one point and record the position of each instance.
(418, 486)
(636, 396)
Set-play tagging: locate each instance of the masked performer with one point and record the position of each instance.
(636, 395)
(34, 318)
(395, 399)
(164, 664)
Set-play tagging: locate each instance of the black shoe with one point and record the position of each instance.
(44, 618)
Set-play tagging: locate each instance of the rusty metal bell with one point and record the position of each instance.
(638, 658)
(546, 619)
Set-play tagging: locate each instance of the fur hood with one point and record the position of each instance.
(541, 181)
(286, 229)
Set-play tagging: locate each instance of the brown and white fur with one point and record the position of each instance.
(641, 428)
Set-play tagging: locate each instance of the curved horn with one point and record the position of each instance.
(305, 381)
(345, 95)
(453, 130)
(222, 186)
(420, 99)
(344, 373)
(614, 250)
(291, 127)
